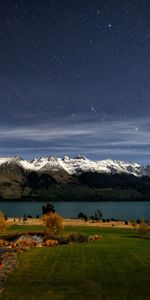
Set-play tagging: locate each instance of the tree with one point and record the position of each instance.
(3, 223)
(83, 216)
(24, 218)
(92, 218)
(98, 215)
(49, 207)
(53, 223)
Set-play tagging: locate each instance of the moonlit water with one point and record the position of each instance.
(117, 210)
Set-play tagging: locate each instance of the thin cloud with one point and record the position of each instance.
(113, 137)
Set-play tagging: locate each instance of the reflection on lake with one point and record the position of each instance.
(117, 210)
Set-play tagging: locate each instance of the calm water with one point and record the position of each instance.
(117, 210)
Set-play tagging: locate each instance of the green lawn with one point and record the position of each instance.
(115, 268)
(25, 228)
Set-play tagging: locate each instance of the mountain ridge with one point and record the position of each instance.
(77, 165)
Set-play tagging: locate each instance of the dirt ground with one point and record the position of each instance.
(71, 222)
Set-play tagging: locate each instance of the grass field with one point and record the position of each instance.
(25, 228)
(115, 268)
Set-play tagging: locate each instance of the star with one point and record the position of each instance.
(136, 129)
(93, 109)
(109, 25)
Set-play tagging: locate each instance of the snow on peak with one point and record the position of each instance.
(80, 156)
(78, 165)
(10, 160)
(81, 164)
(66, 158)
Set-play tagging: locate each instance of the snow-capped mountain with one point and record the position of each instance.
(72, 179)
(76, 165)
(81, 164)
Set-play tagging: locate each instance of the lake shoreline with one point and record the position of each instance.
(72, 201)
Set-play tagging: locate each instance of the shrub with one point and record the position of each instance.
(3, 223)
(63, 240)
(51, 243)
(78, 237)
(95, 237)
(53, 223)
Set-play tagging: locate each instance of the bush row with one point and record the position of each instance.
(74, 238)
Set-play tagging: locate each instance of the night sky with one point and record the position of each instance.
(75, 78)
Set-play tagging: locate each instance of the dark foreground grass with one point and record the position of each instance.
(115, 268)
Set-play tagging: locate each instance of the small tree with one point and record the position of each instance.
(24, 218)
(92, 218)
(98, 215)
(3, 223)
(49, 207)
(143, 228)
(53, 223)
(133, 223)
(83, 216)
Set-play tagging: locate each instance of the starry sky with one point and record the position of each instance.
(75, 78)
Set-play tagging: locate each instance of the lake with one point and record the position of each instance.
(116, 210)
